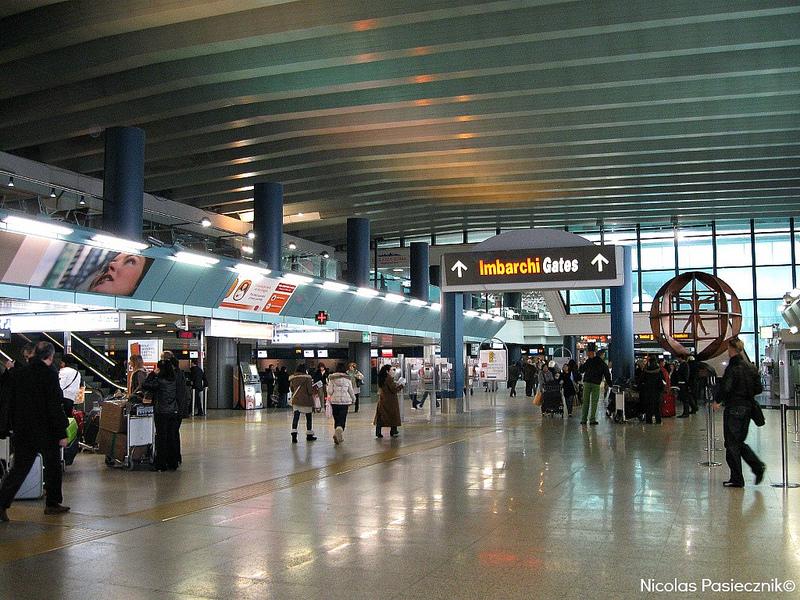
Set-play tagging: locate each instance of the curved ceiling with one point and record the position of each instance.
(422, 116)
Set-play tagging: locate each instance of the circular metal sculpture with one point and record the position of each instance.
(697, 312)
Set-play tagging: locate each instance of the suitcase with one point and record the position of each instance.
(70, 452)
(668, 404)
(33, 486)
(91, 428)
(5, 455)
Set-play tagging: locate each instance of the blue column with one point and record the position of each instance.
(420, 276)
(358, 252)
(435, 275)
(571, 344)
(621, 347)
(453, 338)
(123, 182)
(268, 223)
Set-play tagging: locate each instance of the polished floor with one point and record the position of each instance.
(499, 503)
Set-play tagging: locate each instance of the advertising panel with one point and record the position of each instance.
(56, 264)
(259, 294)
(493, 365)
(150, 351)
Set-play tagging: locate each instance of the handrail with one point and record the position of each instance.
(6, 356)
(88, 367)
(89, 346)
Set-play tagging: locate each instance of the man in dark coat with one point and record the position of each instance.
(40, 427)
(199, 383)
(531, 376)
(737, 390)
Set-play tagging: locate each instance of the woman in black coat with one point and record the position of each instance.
(651, 387)
(282, 381)
(163, 385)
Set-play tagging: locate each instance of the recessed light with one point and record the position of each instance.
(205, 222)
(292, 246)
(161, 325)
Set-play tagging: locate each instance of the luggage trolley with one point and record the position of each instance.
(140, 438)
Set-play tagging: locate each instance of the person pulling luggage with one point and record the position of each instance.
(39, 426)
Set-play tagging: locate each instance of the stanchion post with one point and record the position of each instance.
(784, 452)
(709, 438)
(796, 429)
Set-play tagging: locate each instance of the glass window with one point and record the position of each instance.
(585, 309)
(658, 254)
(748, 322)
(695, 253)
(750, 345)
(773, 249)
(734, 250)
(480, 235)
(778, 224)
(418, 238)
(586, 297)
(443, 239)
(390, 243)
(773, 281)
(769, 313)
(652, 282)
(740, 279)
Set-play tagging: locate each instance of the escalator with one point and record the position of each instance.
(100, 375)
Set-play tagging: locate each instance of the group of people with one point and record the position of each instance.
(309, 392)
(279, 389)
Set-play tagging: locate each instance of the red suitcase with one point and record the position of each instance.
(668, 404)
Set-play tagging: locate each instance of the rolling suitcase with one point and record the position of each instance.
(33, 486)
(668, 404)
(5, 455)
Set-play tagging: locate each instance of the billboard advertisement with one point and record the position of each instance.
(493, 365)
(56, 264)
(259, 294)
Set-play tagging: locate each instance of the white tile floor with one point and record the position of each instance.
(494, 504)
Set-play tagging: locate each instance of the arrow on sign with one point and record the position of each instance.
(460, 267)
(599, 261)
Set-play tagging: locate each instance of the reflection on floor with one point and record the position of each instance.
(499, 503)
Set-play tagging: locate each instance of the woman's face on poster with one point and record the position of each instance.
(120, 276)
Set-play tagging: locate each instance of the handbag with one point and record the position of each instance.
(756, 414)
(328, 410)
(537, 399)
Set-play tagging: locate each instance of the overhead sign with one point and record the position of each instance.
(5, 334)
(236, 329)
(88, 320)
(150, 351)
(300, 338)
(185, 335)
(321, 317)
(547, 268)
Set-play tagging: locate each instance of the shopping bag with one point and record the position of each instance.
(328, 410)
(317, 403)
(537, 399)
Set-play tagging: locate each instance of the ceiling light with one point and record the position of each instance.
(190, 258)
(394, 298)
(299, 214)
(10, 182)
(292, 246)
(471, 313)
(793, 329)
(106, 333)
(251, 235)
(34, 227)
(119, 244)
(486, 316)
(296, 279)
(161, 325)
(367, 292)
(247, 249)
(205, 222)
(143, 317)
(418, 302)
(326, 254)
(138, 324)
(52, 192)
(335, 286)
(397, 270)
(251, 270)
(148, 331)
(82, 201)
(127, 332)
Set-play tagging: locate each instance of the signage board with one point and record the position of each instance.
(258, 294)
(493, 365)
(5, 334)
(88, 320)
(574, 267)
(185, 335)
(308, 354)
(238, 329)
(300, 338)
(322, 354)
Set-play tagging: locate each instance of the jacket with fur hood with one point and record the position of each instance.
(341, 389)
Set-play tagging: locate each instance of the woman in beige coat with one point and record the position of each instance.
(387, 413)
(301, 389)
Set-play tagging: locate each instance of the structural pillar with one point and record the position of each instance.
(452, 343)
(513, 300)
(420, 275)
(357, 274)
(123, 182)
(358, 252)
(435, 275)
(621, 347)
(571, 343)
(268, 224)
(220, 363)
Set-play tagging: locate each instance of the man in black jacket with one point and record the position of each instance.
(531, 375)
(737, 390)
(199, 383)
(40, 427)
